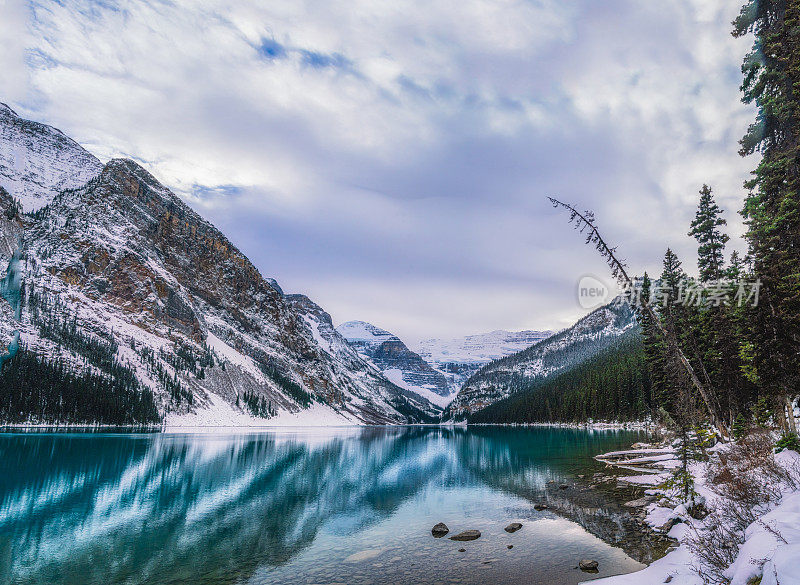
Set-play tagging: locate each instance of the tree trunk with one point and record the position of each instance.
(792, 424)
(714, 410)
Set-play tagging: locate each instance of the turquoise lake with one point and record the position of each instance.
(308, 506)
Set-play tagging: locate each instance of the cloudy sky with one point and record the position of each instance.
(391, 159)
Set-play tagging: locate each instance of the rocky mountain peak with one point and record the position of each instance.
(397, 362)
(5, 110)
(128, 280)
(38, 161)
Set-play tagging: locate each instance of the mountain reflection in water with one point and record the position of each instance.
(271, 507)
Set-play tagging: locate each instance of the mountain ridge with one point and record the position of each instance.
(397, 362)
(501, 378)
(170, 300)
(459, 358)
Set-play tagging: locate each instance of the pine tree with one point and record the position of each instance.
(714, 327)
(772, 209)
(711, 241)
(739, 427)
(654, 349)
(671, 277)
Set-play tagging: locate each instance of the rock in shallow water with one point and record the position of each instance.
(440, 530)
(363, 555)
(587, 565)
(466, 535)
(540, 507)
(513, 527)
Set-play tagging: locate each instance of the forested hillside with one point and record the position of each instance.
(722, 343)
(563, 351)
(612, 385)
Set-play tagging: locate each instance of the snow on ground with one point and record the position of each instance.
(649, 479)
(218, 415)
(776, 537)
(395, 376)
(245, 362)
(313, 324)
(771, 547)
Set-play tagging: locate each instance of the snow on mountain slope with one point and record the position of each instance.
(570, 347)
(37, 161)
(398, 363)
(338, 347)
(461, 357)
(124, 279)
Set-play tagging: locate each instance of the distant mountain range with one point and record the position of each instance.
(440, 366)
(134, 309)
(398, 363)
(461, 357)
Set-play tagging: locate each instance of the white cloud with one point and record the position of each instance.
(405, 148)
(13, 73)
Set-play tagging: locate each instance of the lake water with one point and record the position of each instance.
(306, 506)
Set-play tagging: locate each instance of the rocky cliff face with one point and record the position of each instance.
(581, 342)
(332, 342)
(398, 363)
(127, 263)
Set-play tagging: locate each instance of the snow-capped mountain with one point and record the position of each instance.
(123, 279)
(461, 357)
(574, 345)
(335, 344)
(398, 363)
(38, 161)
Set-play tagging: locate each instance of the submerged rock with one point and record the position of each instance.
(513, 527)
(467, 535)
(363, 555)
(440, 530)
(587, 565)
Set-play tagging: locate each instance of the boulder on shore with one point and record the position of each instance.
(467, 535)
(440, 530)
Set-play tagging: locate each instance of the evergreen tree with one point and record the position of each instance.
(711, 241)
(676, 395)
(713, 323)
(654, 349)
(772, 208)
(671, 277)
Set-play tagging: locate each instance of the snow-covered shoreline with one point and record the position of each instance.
(771, 547)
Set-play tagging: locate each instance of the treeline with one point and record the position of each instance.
(614, 384)
(42, 390)
(97, 388)
(257, 405)
(742, 338)
(288, 386)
